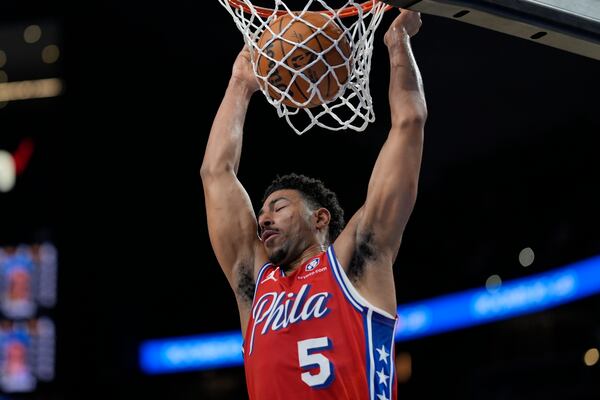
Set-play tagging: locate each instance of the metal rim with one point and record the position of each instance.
(342, 12)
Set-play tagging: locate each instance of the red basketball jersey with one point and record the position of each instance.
(312, 336)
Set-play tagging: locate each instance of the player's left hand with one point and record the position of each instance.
(408, 22)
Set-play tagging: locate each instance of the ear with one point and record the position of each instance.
(322, 218)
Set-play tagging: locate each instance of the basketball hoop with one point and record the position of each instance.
(348, 11)
(330, 87)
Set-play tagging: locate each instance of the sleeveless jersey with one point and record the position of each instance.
(312, 336)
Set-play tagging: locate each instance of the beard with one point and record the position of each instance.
(278, 255)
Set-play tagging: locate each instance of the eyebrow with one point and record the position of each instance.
(260, 212)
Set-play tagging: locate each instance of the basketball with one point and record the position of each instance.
(298, 45)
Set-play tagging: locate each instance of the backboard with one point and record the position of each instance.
(569, 25)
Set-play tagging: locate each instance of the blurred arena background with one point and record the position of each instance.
(105, 115)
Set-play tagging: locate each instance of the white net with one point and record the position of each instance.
(313, 67)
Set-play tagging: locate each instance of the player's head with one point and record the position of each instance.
(297, 212)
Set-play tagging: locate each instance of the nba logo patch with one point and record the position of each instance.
(312, 265)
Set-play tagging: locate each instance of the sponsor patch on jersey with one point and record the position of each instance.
(313, 264)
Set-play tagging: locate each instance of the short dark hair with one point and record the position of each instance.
(316, 194)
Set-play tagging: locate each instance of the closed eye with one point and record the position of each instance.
(280, 208)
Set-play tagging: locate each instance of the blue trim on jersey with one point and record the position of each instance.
(382, 319)
(382, 345)
(379, 336)
(369, 359)
(261, 271)
(392, 370)
(351, 293)
(340, 280)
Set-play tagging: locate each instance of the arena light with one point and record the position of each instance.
(429, 317)
(591, 357)
(32, 33)
(493, 283)
(526, 257)
(514, 298)
(218, 350)
(13, 165)
(32, 89)
(8, 173)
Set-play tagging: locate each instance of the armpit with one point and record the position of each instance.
(245, 287)
(363, 252)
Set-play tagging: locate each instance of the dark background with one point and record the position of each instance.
(510, 161)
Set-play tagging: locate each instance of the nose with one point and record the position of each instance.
(264, 221)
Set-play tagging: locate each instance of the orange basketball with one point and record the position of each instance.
(288, 32)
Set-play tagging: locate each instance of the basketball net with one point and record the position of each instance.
(352, 106)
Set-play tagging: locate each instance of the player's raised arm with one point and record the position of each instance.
(372, 237)
(393, 185)
(231, 220)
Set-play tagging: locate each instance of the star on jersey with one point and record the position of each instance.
(383, 355)
(382, 377)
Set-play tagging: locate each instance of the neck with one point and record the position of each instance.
(310, 252)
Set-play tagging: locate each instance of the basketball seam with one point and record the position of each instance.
(283, 52)
(323, 60)
(262, 58)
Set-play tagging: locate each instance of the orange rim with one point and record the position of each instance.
(342, 13)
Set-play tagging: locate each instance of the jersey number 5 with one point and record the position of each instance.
(310, 359)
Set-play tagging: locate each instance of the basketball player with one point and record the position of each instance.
(317, 300)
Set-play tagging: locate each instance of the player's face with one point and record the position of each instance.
(284, 226)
